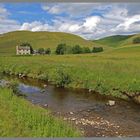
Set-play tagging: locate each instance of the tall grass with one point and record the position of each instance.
(19, 118)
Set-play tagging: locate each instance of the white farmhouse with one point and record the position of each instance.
(23, 50)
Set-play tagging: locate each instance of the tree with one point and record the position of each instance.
(136, 40)
(61, 49)
(26, 44)
(41, 50)
(97, 49)
(76, 49)
(86, 50)
(48, 51)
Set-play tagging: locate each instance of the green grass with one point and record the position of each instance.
(19, 118)
(9, 41)
(108, 73)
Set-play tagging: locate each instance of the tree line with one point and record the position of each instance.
(64, 49)
(77, 49)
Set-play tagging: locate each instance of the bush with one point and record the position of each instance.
(86, 50)
(41, 50)
(66, 49)
(97, 49)
(62, 79)
(136, 40)
(76, 49)
(61, 49)
(48, 51)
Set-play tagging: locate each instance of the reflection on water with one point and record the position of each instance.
(59, 99)
(62, 100)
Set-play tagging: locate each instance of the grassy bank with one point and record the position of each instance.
(19, 118)
(109, 73)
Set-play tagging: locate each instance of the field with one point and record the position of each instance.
(114, 72)
(19, 118)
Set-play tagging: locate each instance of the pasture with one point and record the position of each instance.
(109, 73)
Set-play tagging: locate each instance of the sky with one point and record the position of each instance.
(88, 20)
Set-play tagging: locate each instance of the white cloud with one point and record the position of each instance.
(34, 26)
(6, 24)
(110, 16)
(128, 22)
(91, 23)
(72, 9)
(69, 27)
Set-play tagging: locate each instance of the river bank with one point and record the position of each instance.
(19, 118)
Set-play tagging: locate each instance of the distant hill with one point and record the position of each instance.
(121, 44)
(114, 41)
(8, 41)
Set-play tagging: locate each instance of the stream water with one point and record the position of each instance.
(88, 112)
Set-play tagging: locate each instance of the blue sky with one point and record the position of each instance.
(27, 12)
(89, 20)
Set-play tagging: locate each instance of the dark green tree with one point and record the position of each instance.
(76, 49)
(136, 40)
(86, 50)
(41, 50)
(47, 51)
(97, 49)
(60, 49)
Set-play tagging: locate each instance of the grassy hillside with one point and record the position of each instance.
(114, 41)
(129, 41)
(8, 41)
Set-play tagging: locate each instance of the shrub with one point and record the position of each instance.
(41, 50)
(86, 50)
(62, 79)
(97, 49)
(48, 51)
(61, 49)
(136, 40)
(76, 49)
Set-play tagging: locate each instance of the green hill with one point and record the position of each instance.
(121, 44)
(9, 41)
(114, 41)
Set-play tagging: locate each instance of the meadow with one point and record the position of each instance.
(114, 72)
(19, 118)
